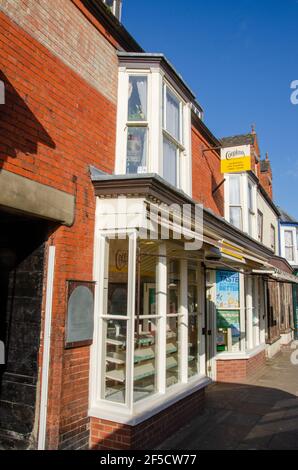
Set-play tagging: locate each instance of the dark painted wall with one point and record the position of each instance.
(21, 245)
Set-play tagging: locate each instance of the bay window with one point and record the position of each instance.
(153, 121)
(149, 329)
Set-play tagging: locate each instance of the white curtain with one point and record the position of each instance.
(234, 183)
(172, 115)
(236, 217)
(142, 91)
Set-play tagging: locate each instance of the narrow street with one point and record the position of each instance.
(259, 414)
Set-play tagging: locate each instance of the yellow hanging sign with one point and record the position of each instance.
(235, 159)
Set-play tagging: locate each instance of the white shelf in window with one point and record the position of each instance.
(171, 348)
(171, 362)
(117, 375)
(116, 358)
(115, 342)
(143, 354)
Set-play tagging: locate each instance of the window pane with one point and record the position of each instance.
(234, 183)
(145, 356)
(137, 99)
(115, 359)
(172, 359)
(193, 322)
(289, 254)
(236, 217)
(173, 287)
(288, 238)
(260, 226)
(172, 115)
(118, 277)
(146, 329)
(136, 150)
(272, 238)
(170, 162)
(250, 201)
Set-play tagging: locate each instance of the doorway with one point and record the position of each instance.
(22, 242)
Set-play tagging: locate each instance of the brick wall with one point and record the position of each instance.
(239, 369)
(67, 33)
(206, 174)
(53, 125)
(110, 435)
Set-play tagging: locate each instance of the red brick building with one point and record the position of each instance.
(74, 132)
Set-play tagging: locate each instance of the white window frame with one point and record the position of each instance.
(156, 83)
(250, 208)
(240, 204)
(246, 212)
(99, 406)
(273, 232)
(261, 220)
(180, 149)
(116, 8)
(291, 231)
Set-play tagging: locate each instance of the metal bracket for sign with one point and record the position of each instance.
(80, 312)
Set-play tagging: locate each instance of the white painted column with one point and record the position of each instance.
(249, 316)
(183, 322)
(161, 310)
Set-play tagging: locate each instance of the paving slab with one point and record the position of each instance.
(258, 414)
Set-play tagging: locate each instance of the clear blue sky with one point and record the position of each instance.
(239, 57)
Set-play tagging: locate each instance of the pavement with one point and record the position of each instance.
(260, 414)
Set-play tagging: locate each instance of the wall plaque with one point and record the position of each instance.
(80, 313)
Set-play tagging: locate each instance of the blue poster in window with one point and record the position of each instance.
(227, 290)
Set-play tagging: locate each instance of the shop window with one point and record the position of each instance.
(173, 324)
(115, 322)
(143, 326)
(193, 320)
(228, 311)
(146, 328)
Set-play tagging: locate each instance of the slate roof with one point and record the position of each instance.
(286, 218)
(265, 166)
(233, 141)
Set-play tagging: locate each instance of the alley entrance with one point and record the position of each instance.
(21, 283)
(259, 414)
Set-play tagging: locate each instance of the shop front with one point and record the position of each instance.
(169, 317)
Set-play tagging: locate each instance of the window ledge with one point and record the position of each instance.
(229, 356)
(150, 406)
